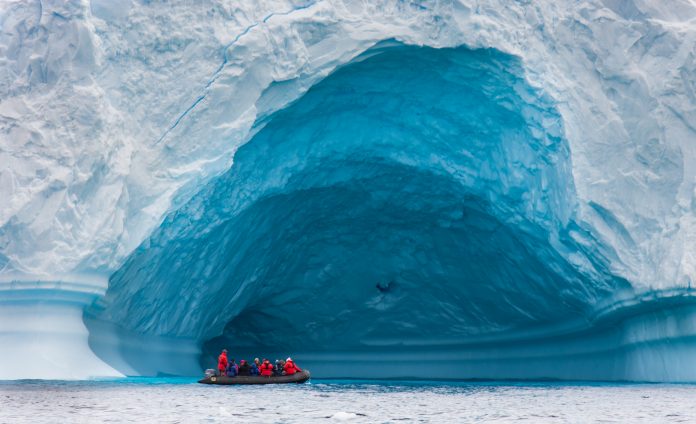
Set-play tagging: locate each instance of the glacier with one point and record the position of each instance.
(507, 187)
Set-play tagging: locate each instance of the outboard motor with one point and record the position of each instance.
(209, 372)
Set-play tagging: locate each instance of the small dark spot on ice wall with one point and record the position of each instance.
(385, 287)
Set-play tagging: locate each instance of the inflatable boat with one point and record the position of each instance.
(299, 377)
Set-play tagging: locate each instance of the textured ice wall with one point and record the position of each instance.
(113, 115)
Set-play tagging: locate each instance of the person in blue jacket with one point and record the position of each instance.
(232, 368)
(255, 369)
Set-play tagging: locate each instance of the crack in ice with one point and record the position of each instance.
(225, 60)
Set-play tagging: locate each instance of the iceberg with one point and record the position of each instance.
(507, 188)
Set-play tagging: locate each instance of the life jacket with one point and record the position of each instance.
(254, 369)
(290, 368)
(266, 369)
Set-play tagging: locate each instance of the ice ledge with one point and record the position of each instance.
(87, 284)
(42, 334)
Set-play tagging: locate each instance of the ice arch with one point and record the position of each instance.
(415, 201)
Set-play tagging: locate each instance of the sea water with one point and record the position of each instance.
(184, 401)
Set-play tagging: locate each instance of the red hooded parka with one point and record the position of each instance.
(290, 368)
(222, 362)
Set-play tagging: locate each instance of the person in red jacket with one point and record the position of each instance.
(290, 367)
(266, 368)
(222, 362)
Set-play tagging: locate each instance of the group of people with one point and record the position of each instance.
(262, 368)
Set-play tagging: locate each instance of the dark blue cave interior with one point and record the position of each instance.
(415, 197)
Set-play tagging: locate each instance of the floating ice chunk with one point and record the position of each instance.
(344, 416)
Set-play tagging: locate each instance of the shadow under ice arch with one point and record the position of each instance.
(416, 204)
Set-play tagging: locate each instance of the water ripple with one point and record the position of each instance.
(183, 401)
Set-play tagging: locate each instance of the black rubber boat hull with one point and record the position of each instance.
(299, 377)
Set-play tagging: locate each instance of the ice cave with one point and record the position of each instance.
(404, 183)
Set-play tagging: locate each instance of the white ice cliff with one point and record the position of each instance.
(508, 186)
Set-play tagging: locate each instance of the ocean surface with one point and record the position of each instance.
(184, 401)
